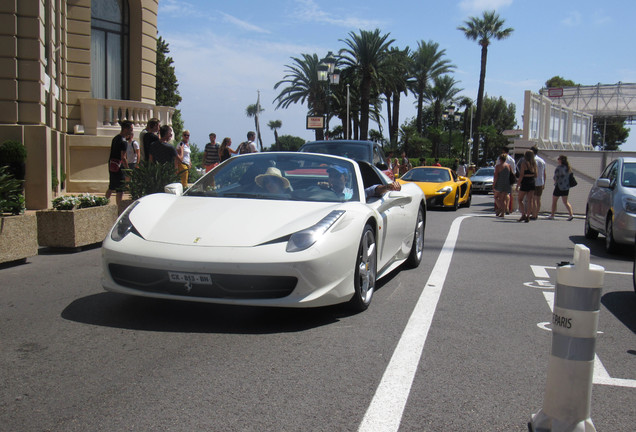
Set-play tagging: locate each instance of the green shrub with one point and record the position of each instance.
(11, 196)
(12, 152)
(149, 178)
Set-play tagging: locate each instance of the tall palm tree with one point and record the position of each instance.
(253, 111)
(302, 85)
(366, 53)
(395, 81)
(441, 94)
(427, 62)
(483, 30)
(275, 125)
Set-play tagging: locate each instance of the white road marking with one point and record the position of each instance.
(540, 271)
(601, 376)
(385, 411)
(543, 270)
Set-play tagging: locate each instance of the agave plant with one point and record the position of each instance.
(149, 178)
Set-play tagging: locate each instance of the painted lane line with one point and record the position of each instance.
(385, 411)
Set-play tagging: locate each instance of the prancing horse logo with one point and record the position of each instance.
(196, 240)
(188, 287)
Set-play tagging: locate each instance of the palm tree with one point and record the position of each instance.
(366, 53)
(253, 111)
(440, 95)
(427, 62)
(303, 86)
(395, 81)
(274, 125)
(483, 30)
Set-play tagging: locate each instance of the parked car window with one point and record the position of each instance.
(378, 157)
(606, 171)
(613, 173)
(629, 175)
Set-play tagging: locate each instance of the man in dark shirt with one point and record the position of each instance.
(149, 136)
(211, 153)
(161, 151)
(117, 160)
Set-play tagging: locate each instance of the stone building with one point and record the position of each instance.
(70, 70)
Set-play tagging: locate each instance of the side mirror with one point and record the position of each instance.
(603, 183)
(382, 166)
(174, 188)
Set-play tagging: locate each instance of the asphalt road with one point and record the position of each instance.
(76, 358)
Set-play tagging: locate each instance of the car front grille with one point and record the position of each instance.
(223, 286)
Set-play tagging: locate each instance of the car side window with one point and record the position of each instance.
(612, 173)
(377, 157)
(606, 171)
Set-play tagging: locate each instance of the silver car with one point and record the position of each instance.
(611, 205)
(482, 180)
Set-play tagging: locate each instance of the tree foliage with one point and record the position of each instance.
(167, 87)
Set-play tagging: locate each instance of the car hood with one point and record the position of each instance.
(224, 222)
(481, 178)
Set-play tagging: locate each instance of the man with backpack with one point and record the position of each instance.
(248, 146)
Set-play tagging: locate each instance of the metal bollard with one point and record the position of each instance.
(568, 393)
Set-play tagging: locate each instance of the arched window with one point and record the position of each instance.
(109, 49)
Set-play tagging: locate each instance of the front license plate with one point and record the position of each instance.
(196, 278)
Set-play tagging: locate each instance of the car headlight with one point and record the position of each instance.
(124, 226)
(304, 239)
(629, 203)
(445, 189)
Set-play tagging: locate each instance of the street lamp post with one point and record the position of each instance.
(449, 114)
(327, 72)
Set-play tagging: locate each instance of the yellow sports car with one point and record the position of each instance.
(442, 186)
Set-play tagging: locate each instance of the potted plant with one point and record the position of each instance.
(75, 221)
(18, 231)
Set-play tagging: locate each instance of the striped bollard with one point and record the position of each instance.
(568, 393)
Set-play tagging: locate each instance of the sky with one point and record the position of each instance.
(227, 53)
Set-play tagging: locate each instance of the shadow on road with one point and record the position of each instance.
(622, 304)
(141, 313)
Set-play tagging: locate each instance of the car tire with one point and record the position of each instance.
(470, 198)
(610, 244)
(589, 232)
(365, 271)
(456, 203)
(417, 249)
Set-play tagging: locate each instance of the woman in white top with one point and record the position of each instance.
(132, 151)
(183, 153)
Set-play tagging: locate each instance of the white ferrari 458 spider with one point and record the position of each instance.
(268, 229)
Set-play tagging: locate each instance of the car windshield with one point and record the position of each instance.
(280, 176)
(431, 175)
(629, 175)
(485, 172)
(340, 148)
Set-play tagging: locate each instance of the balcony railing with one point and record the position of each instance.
(102, 116)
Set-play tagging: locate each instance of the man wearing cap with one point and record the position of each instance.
(338, 181)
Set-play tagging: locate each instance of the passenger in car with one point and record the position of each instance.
(273, 181)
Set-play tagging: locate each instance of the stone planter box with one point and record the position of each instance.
(75, 228)
(18, 237)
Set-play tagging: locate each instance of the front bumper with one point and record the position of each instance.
(263, 275)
